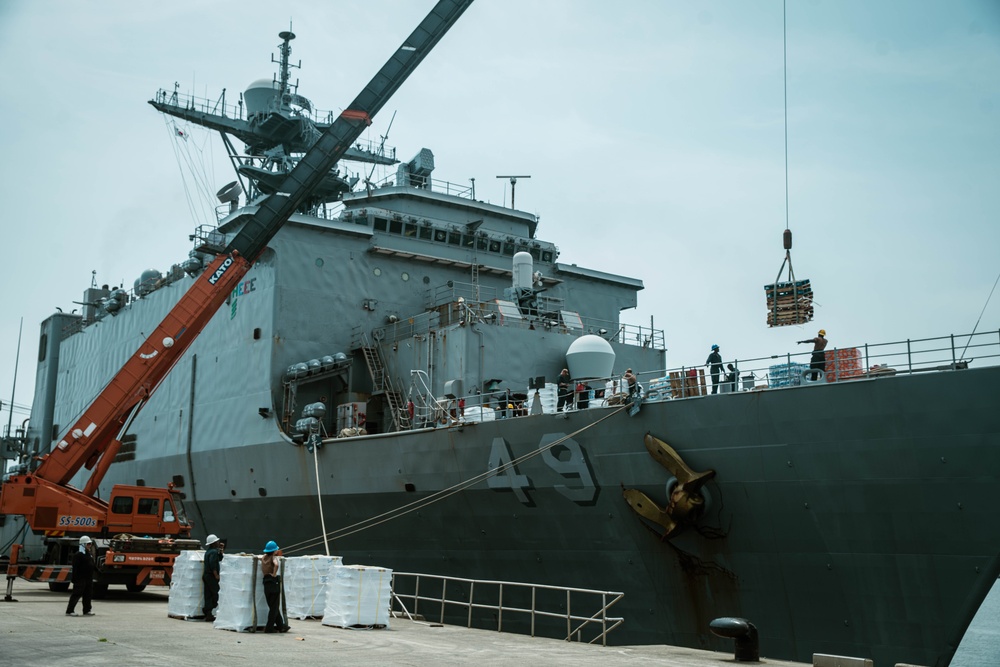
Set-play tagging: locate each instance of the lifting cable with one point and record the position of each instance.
(788, 302)
(438, 496)
(980, 316)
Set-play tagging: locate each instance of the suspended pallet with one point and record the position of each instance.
(788, 302)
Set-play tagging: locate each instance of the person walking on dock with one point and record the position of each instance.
(210, 575)
(271, 568)
(84, 565)
(818, 361)
(715, 362)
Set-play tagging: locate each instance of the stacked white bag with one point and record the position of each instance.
(187, 591)
(358, 595)
(237, 602)
(306, 580)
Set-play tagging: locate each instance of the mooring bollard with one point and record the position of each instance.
(745, 634)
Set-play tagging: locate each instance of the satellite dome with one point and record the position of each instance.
(590, 357)
(259, 95)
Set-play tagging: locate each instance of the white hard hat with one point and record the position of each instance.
(211, 539)
(85, 540)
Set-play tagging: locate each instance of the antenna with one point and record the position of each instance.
(13, 388)
(286, 50)
(513, 182)
(381, 148)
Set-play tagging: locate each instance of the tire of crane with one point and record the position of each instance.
(58, 586)
(135, 588)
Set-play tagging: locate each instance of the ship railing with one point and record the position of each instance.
(573, 614)
(453, 291)
(478, 303)
(220, 107)
(432, 184)
(955, 352)
(396, 329)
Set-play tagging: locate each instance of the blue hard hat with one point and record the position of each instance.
(271, 547)
(715, 347)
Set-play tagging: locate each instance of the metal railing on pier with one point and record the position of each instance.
(530, 605)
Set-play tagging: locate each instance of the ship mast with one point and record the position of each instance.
(284, 66)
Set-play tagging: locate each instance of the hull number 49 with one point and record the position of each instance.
(568, 460)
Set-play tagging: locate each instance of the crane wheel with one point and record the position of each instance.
(135, 588)
(58, 586)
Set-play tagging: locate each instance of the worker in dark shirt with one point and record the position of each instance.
(84, 565)
(731, 377)
(818, 361)
(565, 390)
(715, 362)
(210, 575)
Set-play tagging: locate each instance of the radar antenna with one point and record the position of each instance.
(513, 183)
(286, 50)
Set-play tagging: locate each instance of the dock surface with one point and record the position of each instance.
(134, 629)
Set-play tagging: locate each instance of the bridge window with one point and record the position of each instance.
(381, 224)
(395, 226)
(426, 233)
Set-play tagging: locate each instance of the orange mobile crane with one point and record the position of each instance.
(44, 497)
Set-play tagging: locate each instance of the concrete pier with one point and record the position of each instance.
(134, 629)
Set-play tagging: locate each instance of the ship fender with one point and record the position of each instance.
(745, 634)
(807, 376)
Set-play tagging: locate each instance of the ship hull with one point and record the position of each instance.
(844, 518)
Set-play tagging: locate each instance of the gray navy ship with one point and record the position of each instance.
(388, 369)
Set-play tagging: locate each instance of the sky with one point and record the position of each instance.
(653, 131)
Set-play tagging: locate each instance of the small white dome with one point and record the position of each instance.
(590, 357)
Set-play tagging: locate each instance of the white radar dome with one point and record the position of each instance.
(590, 357)
(522, 270)
(259, 95)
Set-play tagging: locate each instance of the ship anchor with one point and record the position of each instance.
(686, 503)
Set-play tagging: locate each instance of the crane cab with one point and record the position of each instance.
(146, 510)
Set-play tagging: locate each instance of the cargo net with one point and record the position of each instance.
(789, 303)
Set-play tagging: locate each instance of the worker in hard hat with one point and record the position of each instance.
(817, 365)
(84, 564)
(271, 568)
(211, 576)
(715, 362)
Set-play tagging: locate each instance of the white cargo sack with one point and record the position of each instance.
(306, 580)
(239, 608)
(358, 595)
(187, 591)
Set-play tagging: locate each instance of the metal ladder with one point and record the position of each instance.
(382, 384)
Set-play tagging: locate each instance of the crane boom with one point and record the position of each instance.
(94, 439)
